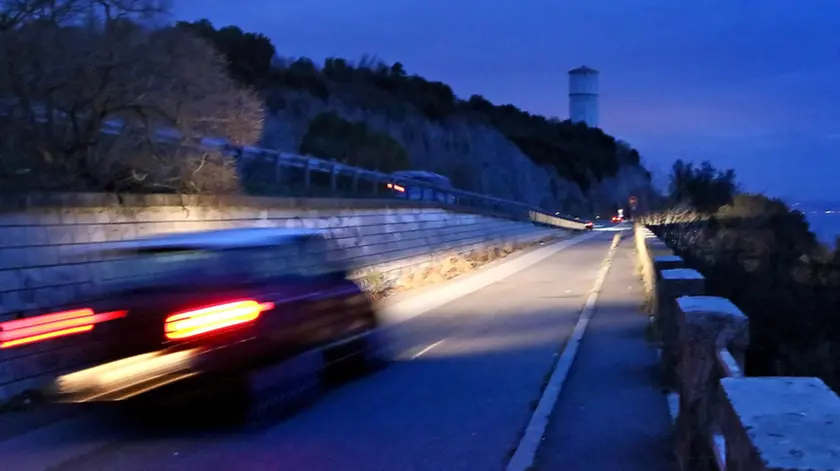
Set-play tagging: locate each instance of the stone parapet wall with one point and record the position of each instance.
(727, 421)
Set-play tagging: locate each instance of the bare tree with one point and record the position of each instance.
(96, 96)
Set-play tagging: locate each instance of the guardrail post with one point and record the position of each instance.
(672, 284)
(334, 180)
(240, 161)
(780, 424)
(307, 177)
(706, 325)
(278, 169)
(355, 189)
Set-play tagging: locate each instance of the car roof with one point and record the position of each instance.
(217, 239)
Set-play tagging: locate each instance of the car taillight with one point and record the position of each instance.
(396, 187)
(48, 326)
(212, 318)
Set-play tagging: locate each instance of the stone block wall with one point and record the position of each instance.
(45, 240)
(727, 421)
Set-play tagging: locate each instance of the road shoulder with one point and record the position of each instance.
(611, 414)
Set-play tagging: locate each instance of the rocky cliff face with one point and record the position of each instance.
(477, 157)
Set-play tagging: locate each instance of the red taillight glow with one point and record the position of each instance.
(396, 187)
(48, 326)
(208, 319)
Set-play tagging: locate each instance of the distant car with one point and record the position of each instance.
(618, 219)
(405, 185)
(589, 226)
(216, 304)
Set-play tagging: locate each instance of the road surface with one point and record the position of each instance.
(466, 380)
(611, 414)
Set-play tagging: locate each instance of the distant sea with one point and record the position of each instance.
(824, 219)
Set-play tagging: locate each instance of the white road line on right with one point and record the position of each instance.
(526, 451)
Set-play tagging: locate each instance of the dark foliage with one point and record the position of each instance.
(704, 188)
(577, 152)
(353, 144)
(249, 55)
(762, 256)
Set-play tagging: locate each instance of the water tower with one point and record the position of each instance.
(583, 96)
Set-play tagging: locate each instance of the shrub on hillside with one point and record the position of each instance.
(89, 85)
(704, 188)
(353, 143)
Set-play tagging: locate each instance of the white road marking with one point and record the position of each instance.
(526, 451)
(427, 349)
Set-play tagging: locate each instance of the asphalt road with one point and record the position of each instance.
(467, 377)
(611, 414)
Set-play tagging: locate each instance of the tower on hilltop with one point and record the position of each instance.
(583, 96)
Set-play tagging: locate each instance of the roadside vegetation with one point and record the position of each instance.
(87, 85)
(762, 255)
(353, 143)
(579, 153)
(73, 70)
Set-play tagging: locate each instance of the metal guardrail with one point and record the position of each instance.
(273, 173)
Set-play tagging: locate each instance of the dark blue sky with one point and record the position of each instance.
(749, 84)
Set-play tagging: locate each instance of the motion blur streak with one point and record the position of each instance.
(34, 329)
(208, 319)
(126, 372)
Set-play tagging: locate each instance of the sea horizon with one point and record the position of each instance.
(823, 219)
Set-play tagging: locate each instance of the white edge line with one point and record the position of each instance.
(526, 451)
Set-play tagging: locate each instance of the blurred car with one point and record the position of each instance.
(618, 219)
(420, 185)
(589, 226)
(221, 303)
